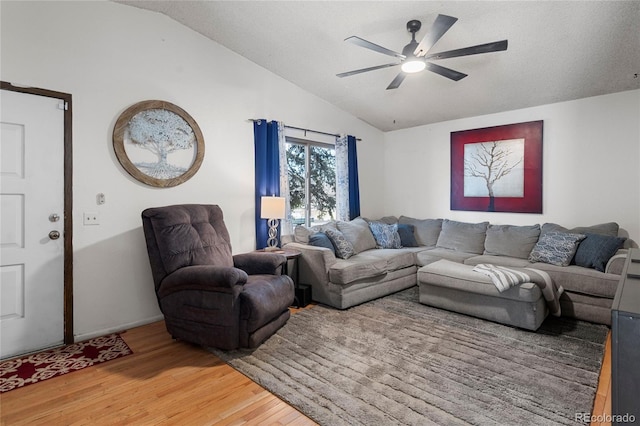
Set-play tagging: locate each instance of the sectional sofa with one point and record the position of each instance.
(348, 263)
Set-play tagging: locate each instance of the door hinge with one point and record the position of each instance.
(63, 105)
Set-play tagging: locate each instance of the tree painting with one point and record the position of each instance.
(494, 169)
(161, 132)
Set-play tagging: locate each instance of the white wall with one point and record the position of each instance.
(110, 56)
(591, 164)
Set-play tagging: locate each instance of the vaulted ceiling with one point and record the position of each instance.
(558, 51)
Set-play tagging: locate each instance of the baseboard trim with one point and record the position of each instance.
(116, 329)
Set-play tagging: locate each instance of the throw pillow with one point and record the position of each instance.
(386, 236)
(509, 240)
(344, 249)
(556, 248)
(426, 231)
(320, 239)
(357, 232)
(301, 233)
(596, 250)
(462, 236)
(407, 237)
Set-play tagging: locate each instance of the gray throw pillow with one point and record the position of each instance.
(426, 231)
(301, 233)
(344, 249)
(556, 248)
(510, 240)
(357, 232)
(462, 236)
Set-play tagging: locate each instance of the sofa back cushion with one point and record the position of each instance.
(426, 231)
(301, 233)
(357, 232)
(509, 240)
(462, 236)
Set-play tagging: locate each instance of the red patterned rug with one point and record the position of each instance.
(19, 372)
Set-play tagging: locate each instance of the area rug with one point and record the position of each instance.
(20, 372)
(396, 361)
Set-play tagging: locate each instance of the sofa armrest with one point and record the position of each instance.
(260, 263)
(203, 278)
(616, 263)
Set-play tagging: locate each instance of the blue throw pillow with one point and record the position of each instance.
(407, 238)
(596, 250)
(386, 235)
(320, 239)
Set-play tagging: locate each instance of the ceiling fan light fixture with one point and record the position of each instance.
(413, 65)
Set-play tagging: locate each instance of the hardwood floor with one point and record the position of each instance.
(168, 382)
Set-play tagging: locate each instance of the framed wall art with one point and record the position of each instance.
(497, 169)
(158, 143)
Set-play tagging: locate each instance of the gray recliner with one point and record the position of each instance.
(207, 295)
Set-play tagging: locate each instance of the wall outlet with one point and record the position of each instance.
(91, 219)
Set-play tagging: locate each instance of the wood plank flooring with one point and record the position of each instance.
(166, 382)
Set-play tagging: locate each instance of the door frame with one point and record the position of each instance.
(68, 199)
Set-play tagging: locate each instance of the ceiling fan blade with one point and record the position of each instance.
(446, 72)
(348, 73)
(397, 81)
(495, 46)
(376, 48)
(439, 27)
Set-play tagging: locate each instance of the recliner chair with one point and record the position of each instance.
(207, 295)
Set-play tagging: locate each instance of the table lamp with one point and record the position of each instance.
(273, 209)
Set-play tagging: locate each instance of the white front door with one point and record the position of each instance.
(31, 223)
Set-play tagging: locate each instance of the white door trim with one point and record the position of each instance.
(68, 198)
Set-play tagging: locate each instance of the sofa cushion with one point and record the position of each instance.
(301, 233)
(426, 231)
(320, 239)
(462, 236)
(509, 240)
(396, 259)
(344, 249)
(609, 228)
(506, 261)
(357, 232)
(556, 248)
(386, 236)
(356, 268)
(407, 237)
(434, 254)
(577, 279)
(596, 250)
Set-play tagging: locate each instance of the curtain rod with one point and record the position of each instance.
(305, 130)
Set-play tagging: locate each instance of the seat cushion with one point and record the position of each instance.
(433, 255)
(357, 267)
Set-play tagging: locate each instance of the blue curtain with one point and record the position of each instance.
(354, 187)
(267, 171)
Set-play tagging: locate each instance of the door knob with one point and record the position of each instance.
(54, 235)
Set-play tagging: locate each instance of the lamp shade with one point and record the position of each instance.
(272, 208)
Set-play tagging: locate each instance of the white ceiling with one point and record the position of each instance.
(558, 51)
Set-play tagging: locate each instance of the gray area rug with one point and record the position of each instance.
(396, 361)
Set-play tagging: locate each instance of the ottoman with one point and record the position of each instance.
(456, 287)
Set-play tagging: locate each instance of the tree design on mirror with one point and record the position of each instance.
(158, 143)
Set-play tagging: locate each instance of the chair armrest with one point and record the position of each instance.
(260, 263)
(203, 277)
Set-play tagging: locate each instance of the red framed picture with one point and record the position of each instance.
(497, 169)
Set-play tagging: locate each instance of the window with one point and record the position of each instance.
(311, 168)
